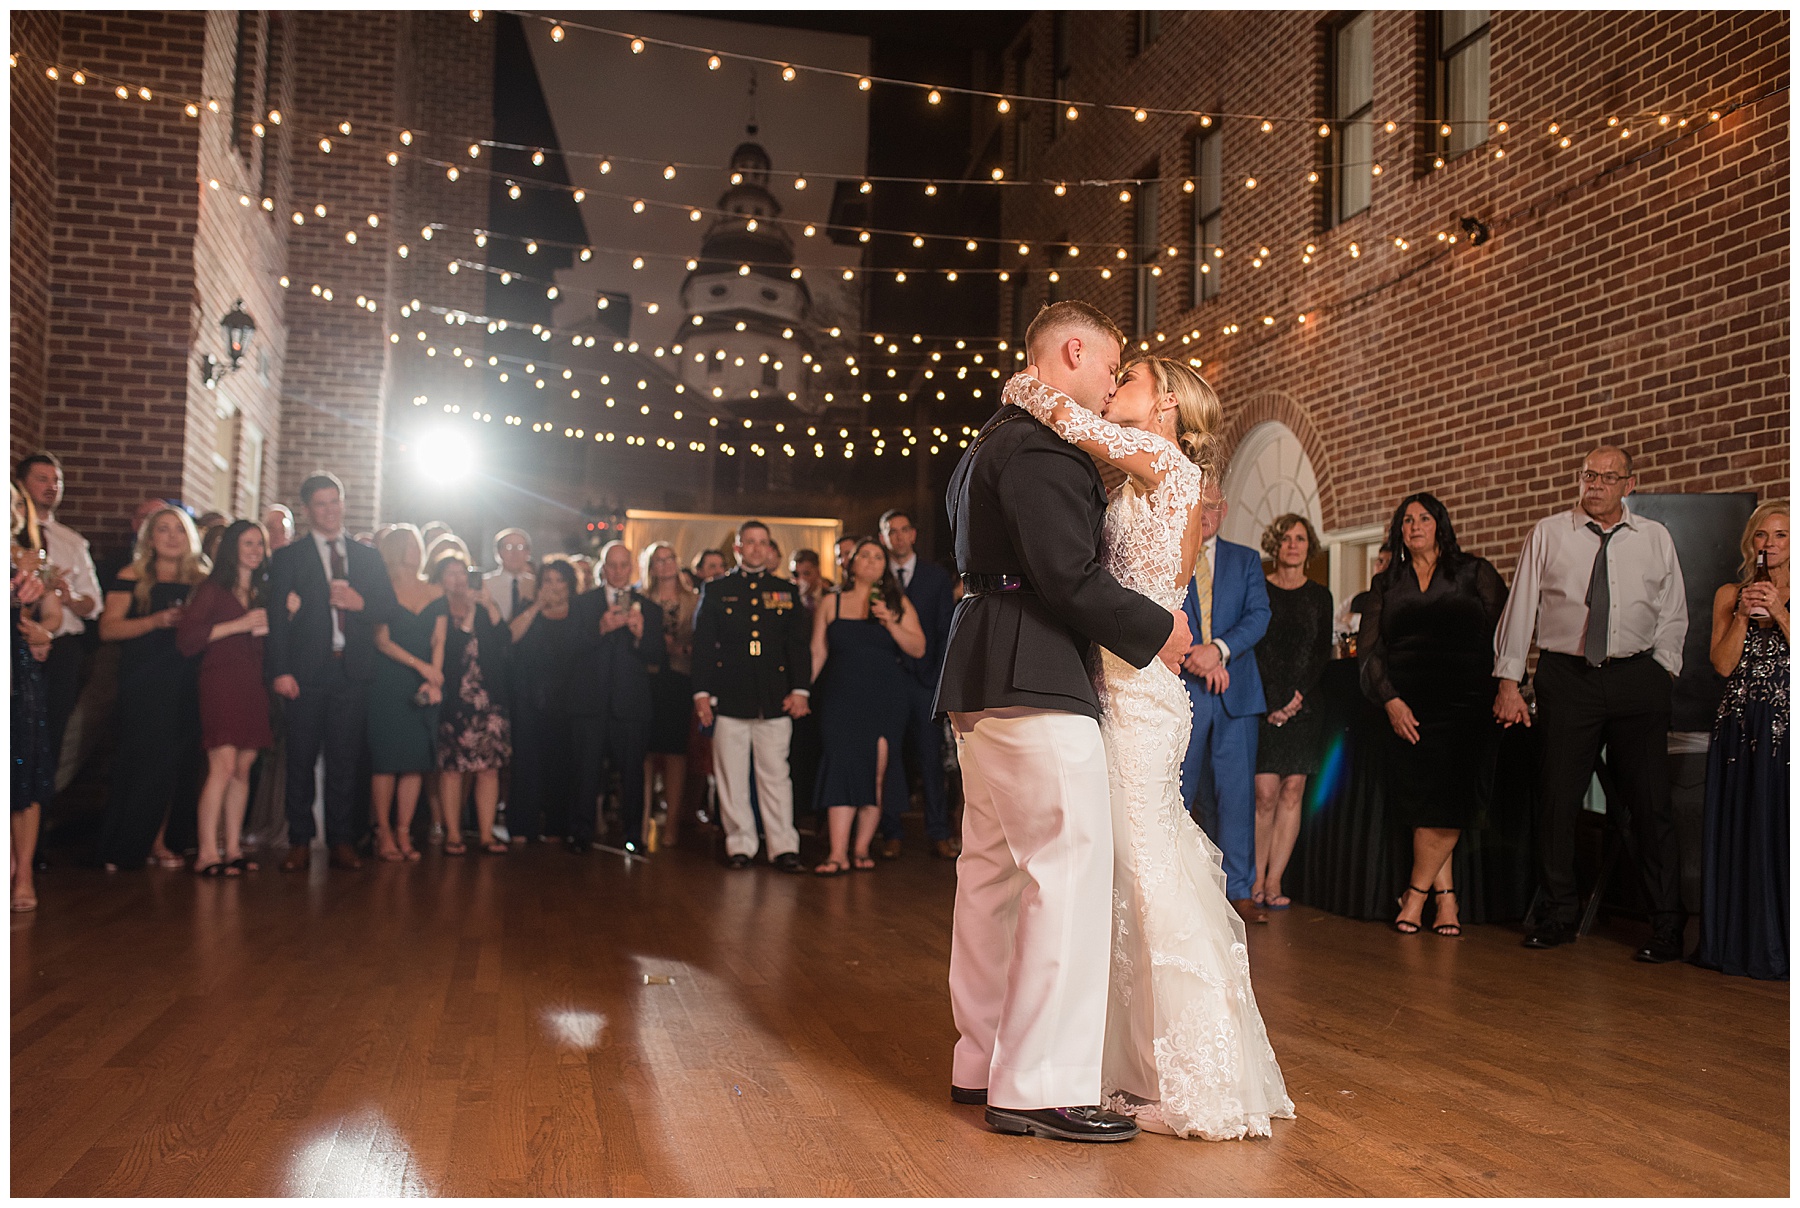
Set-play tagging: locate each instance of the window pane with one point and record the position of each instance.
(1357, 146)
(1459, 24)
(1355, 66)
(1206, 168)
(1466, 94)
(1209, 280)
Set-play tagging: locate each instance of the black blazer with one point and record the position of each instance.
(932, 594)
(609, 673)
(1024, 502)
(752, 643)
(300, 645)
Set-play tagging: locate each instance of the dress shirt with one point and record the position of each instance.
(324, 548)
(69, 551)
(1549, 591)
(904, 570)
(500, 586)
(1210, 551)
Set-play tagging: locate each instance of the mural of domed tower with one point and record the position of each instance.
(746, 343)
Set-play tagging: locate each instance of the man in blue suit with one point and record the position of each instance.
(927, 585)
(1228, 611)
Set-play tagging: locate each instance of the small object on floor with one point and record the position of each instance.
(298, 859)
(969, 1095)
(1064, 1123)
(738, 861)
(862, 864)
(789, 861)
(946, 849)
(888, 849)
(831, 868)
(344, 856)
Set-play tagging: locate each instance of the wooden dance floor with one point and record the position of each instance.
(483, 1027)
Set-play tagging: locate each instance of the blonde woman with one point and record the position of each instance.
(155, 760)
(1744, 866)
(406, 692)
(36, 612)
(1185, 1051)
(671, 687)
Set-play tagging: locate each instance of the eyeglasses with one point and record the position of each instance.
(1611, 480)
(510, 548)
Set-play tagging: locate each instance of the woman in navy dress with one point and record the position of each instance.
(1744, 891)
(860, 693)
(407, 690)
(35, 613)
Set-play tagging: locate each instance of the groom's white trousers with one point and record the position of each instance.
(1031, 944)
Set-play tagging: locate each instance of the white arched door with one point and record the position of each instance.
(1269, 475)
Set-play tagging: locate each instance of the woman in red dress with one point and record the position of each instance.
(224, 623)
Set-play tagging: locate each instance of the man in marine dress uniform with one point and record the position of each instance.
(753, 672)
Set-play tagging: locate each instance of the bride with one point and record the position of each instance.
(1185, 1049)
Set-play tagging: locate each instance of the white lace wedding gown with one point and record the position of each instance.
(1186, 1051)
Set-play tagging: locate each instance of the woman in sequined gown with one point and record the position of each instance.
(1186, 1052)
(1744, 866)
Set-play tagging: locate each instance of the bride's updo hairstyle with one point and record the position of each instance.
(1199, 419)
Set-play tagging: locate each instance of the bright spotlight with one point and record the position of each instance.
(445, 457)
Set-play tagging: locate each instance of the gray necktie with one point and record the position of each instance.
(1599, 602)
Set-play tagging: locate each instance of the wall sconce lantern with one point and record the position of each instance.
(239, 328)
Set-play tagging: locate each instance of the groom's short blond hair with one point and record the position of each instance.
(1069, 317)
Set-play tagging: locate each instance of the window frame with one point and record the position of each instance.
(1441, 59)
(1208, 284)
(1146, 212)
(1338, 170)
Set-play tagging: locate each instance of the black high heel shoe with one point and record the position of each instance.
(1448, 930)
(1407, 926)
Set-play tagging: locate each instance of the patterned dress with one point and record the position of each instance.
(1186, 1051)
(474, 733)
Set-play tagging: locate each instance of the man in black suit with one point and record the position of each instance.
(1031, 942)
(327, 595)
(753, 673)
(609, 696)
(928, 586)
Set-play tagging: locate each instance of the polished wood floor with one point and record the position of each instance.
(498, 1026)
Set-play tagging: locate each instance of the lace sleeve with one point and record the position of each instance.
(1144, 455)
(1371, 651)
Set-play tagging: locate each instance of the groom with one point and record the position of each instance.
(1030, 950)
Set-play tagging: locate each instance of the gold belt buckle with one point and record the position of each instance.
(755, 649)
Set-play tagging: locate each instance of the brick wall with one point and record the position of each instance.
(35, 36)
(1633, 290)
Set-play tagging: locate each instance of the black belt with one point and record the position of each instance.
(987, 585)
(1608, 662)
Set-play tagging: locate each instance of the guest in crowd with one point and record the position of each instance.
(709, 564)
(1291, 658)
(223, 626)
(806, 748)
(431, 531)
(77, 590)
(1424, 657)
(512, 585)
(1228, 610)
(671, 684)
(803, 569)
(1744, 892)
(117, 557)
(865, 699)
(474, 735)
(445, 543)
(211, 534)
(927, 586)
(846, 550)
(36, 614)
(619, 638)
(1349, 618)
(278, 522)
(584, 572)
(543, 656)
(405, 694)
(158, 715)
(1603, 589)
(320, 658)
(753, 670)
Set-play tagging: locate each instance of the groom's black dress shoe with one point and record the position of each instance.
(1549, 935)
(963, 1094)
(1064, 1123)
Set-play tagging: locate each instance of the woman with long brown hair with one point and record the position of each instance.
(155, 758)
(36, 612)
(224, 625)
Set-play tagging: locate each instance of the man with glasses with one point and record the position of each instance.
(1603, 590)
(513, 586)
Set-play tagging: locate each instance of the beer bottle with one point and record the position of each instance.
(1758, 613)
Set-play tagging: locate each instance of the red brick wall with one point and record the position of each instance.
(121, 287)
(1632, 290)
(35, 36)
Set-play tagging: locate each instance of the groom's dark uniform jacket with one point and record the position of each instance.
(1026, 504)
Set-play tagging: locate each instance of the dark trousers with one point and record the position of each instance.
(600, 742)
(331, 716)
(62, 678)
(537, 797)
(1625, 707)
(925, 741)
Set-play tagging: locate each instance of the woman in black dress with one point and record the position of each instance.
(156, 760)
(1744, 869)
(474, 731)
(36, 612)
(1426, 650)
(859, 634)
(544, 643)
(1291, 657)
(671, 686)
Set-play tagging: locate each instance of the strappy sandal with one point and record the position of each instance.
(244, 864)
(831, 868)
(1407, 926)
(1447, 930)
(218, 868)
(494, 847)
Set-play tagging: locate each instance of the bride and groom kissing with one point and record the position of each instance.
(1098, 975)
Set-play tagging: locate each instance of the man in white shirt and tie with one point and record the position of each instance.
(933, 597)
(513, 586)
(78, 590)
(1604, 592)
